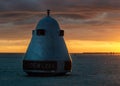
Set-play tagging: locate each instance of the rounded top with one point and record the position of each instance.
(47, 22)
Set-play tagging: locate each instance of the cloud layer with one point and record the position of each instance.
(84, 19)
(57, 5)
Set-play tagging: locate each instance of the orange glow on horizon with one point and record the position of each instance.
(74, 46)
(13, 46)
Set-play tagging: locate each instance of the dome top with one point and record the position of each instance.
(47, 22)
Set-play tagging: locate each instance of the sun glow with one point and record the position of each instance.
(13, 46)
(74, 46)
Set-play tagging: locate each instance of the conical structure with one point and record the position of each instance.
(47, 52)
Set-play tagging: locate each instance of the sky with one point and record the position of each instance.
(89, 25)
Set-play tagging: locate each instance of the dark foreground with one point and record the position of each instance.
(88, 70)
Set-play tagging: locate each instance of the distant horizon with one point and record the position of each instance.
(69, 53)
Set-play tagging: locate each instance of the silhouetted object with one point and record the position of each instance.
(47, 52)
(48, 12)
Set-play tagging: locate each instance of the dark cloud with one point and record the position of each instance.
(19, 17)
(33, 17)
(15, 17)
(30, 11)
(29, 5)
(57, 5)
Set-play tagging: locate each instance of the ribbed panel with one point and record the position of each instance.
(40, 65)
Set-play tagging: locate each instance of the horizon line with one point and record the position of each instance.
(69, 53)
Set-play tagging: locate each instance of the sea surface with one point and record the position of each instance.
(87, 70)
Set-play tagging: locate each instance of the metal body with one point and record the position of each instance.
(47, 52)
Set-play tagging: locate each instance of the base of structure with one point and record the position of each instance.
(46, 74)
(46, 67)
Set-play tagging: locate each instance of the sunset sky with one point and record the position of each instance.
(90, 25)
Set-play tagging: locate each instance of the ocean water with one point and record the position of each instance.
(88, 70)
